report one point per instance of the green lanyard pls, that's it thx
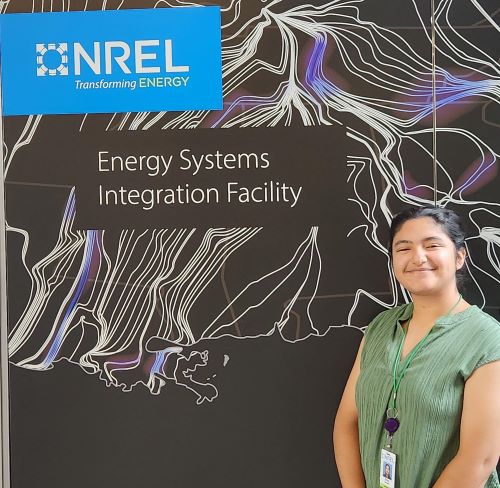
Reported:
(397, 378)
(391, 424)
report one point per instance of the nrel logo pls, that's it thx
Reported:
(61, 65)
(114, 57)
(111, 61)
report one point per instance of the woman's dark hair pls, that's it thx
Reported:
(450, 223)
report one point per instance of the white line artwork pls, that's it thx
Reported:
(124, 305)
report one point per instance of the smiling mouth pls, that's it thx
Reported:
(420, 270)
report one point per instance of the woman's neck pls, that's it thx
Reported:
(427, 308)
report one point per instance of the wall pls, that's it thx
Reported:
(267, 317)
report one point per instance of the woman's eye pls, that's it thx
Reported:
(402, 249)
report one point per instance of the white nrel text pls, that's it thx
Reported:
(119, 54)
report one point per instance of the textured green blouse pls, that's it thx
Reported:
(430, 395)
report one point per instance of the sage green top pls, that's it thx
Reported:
(430, 395)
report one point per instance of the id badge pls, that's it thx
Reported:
(387, 469)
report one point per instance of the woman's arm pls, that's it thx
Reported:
(345, 433)
(479, 448)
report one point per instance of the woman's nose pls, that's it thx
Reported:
(419, 256)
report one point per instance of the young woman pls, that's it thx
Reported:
(424, 392)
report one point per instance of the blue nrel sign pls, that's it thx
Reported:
(111, 61)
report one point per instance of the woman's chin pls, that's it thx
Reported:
(423, 290)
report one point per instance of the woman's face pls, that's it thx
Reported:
(424, 258)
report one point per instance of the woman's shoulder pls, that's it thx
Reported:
(485, 319)
(480, 337)
(381, 329)
(487, 329)
(384, 323)
(478, 323)
(391, 315)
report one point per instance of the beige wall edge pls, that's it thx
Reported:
(4, 385)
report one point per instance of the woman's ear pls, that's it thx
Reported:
(461, 254)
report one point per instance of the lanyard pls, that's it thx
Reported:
(397, 378)
(391, 424)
